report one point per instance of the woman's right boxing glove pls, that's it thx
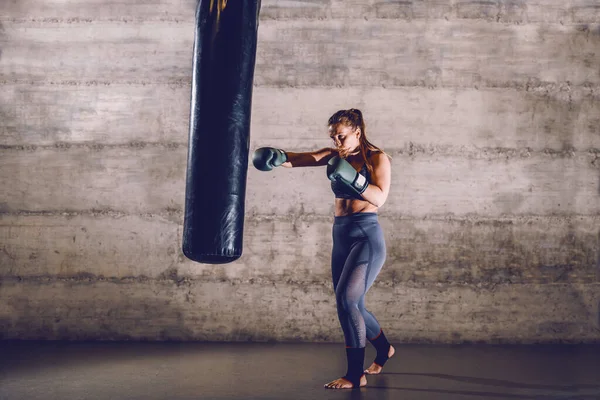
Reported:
(341, 170)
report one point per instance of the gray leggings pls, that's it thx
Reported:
(356, 259)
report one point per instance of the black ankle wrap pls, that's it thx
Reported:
(382, 346)
(356, 358)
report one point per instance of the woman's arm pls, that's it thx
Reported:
(309, 159)
(379, 188)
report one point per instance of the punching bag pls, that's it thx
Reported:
(219, 137)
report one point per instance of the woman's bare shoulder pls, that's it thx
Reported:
(378, 157)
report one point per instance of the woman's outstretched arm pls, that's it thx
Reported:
(309, 159)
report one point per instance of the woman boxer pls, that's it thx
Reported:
(360, 179)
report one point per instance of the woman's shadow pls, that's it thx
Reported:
(383, 381)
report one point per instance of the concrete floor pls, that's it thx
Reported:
(174, 371)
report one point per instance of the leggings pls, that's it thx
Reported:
(357, 257)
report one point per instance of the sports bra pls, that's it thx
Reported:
(342, 191)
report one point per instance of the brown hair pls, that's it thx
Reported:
(354, 119)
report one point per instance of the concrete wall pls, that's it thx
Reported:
(490, 110)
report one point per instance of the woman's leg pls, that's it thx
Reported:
(350, 293)
(378, 340)
(372, 325)
(343, 252)
(354, 269)
(374, 332)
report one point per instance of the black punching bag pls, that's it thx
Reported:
(219, 139)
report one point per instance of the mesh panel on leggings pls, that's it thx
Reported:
(350, 291)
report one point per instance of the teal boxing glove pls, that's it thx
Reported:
(267, 158)
(340, 170)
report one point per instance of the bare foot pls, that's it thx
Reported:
(342, 383)
(375, 369)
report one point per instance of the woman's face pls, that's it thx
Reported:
(345, 139)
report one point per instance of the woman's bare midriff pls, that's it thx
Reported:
(351, 206)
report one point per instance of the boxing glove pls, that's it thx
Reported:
(266, 158)
(342, 171)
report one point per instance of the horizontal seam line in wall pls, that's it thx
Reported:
(165, 278)
(496, 19)
(548, 87)
(415, 150)
(62, 146)
(314, 217)
(186, 281)
(93, 213)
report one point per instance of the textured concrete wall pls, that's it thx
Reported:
(490, 110)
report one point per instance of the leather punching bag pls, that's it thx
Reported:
(219, 137)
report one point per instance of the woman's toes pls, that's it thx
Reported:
(339, 383)
(374, 369)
